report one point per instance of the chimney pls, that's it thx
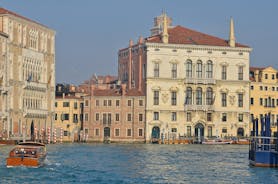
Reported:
(123, 89)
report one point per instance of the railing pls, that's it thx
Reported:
(199, 81)
(264, 144)
(34, 86)
(198, 107)
(35, 112)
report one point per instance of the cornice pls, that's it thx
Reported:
(197, 47)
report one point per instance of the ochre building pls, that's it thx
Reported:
(264, 95)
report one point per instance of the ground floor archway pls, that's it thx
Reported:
(240, 132)
(199, 132)
(155, 134)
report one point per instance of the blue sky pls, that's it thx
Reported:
(90, 32)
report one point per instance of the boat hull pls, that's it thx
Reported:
(264, 159)
(25, 161)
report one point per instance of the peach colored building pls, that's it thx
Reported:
(114, 115)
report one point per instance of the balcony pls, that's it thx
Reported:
(198, 107)
(106, 123)
(35, 113)
(34, 86)
(199, 81)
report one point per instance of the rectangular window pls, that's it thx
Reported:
(56, 116)
(140, 133)
(65, 104)
(252, 101)
(117, 103)
(188, 116)
(188, 131)
(261, 88)
(174, 98)
(156, 70)
(128, 117)
(273, 77)
(261, 101)
(174, 130)
(117, 118)
(97, 116)
(117, 132)
(252, 87)
(209, 131)
(265, 76)
(224, 99)
(109, 102)
(224, 117)
(75, 105)
(156, 97)
(240, 73)
(129, 132)
(224, 130)
(240, 117)
(97, 102)
(97, 132)
(66, 116)
(65, 133)
(155, 116)
(86, 103)
(56, 104)
(86, 117)
(224, 73)
(240, 100)
(104, 102)
(75, 118)
(141, 103)
(140, 117)
(174, 71)
(129, 103)
(209, 116)
(174, 116)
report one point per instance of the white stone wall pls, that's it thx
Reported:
(165, 55)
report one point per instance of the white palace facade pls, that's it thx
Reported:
(196, 85)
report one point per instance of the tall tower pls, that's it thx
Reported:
(232, 39)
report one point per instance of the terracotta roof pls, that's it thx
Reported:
(107, 92)
(182, 35)
(256, 68)
(134, 92)
(68, 97)
(4, 11)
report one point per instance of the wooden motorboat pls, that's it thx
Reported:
(217, 141)
(28, 154)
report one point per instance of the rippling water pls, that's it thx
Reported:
(140, 163)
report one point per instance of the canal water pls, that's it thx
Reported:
(140, 163)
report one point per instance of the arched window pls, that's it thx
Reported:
(188, 68)
(199, 96)
(199, 69)
(188, 96)
(209, 69)
(209, 96)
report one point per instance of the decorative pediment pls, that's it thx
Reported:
(224, 90)
(224, 64)
(174, 61)
(156, 88)
(174, 88)
(241, 64)
(240, 90)
(156, 61)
